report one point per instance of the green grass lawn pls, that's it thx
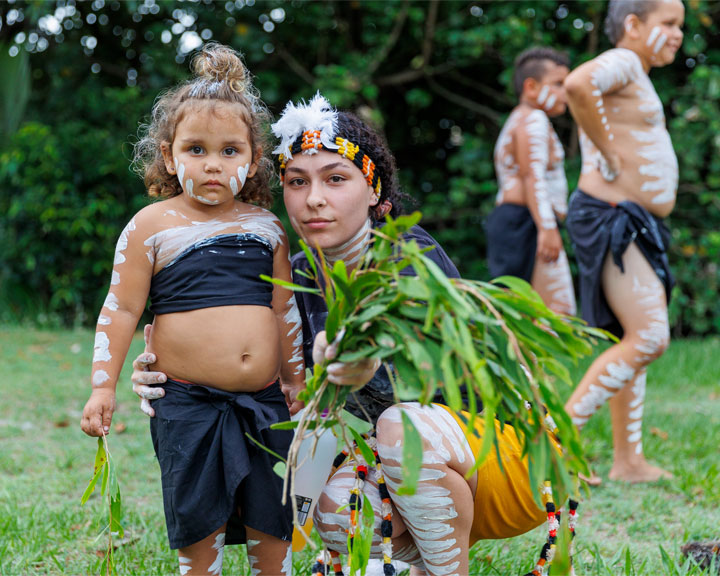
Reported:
(46, 462)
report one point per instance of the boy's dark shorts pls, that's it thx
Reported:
(511, 241)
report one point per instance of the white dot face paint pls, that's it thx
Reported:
(104, 320)
(102, 345)
(100, 377)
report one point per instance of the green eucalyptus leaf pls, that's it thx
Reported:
(411, 456)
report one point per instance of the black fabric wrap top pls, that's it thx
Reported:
(218, 271)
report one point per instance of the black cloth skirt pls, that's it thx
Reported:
(596, 228)
(511, 241)
(212, 473)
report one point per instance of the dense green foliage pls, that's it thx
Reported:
(433, 75)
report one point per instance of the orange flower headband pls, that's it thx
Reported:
(307, 128)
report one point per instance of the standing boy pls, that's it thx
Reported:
(522, 231)
(627, 185)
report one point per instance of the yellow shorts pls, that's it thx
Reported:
(504, 504)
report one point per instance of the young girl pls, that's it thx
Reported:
(229, 342)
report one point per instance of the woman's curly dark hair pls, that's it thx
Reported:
(220, 77)
(373, 144)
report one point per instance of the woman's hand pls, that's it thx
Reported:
(291, 392)
(355, 374)
(142, 378)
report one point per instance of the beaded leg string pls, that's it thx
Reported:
(355, 505)
(553, 520)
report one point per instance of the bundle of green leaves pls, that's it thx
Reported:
(493, 349)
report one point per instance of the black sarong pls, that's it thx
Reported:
(595, 227)
(209, 466)
(511, 241)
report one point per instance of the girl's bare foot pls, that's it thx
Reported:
(637, 473)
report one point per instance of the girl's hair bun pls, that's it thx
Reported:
(218, 63)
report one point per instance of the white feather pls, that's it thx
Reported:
(318, 114)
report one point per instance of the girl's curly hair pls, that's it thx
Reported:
(220, 76)
(371, 143)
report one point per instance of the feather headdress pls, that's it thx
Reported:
(317, 117)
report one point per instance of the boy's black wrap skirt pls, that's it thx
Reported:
(596, 228)
(210, 468)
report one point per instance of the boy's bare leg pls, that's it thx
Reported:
(637, 298)
(268, 555)
(440, 513)
(626, 408)
(553, 282)
(204, 557)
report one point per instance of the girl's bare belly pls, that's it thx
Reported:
(233, 348)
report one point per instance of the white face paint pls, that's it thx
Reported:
(544, 91)
(552, 99)
(216, 567)
(102, 344)
(188, 185)
(242, 173)
(100, 377)
(104, 320)
(654, 33)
